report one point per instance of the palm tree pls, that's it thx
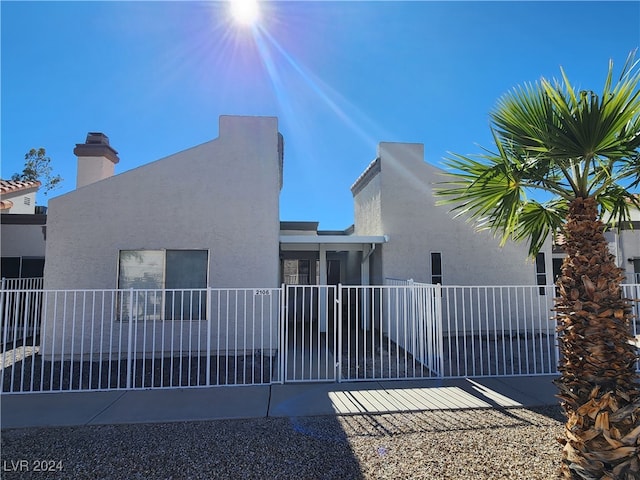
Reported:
(581, 151)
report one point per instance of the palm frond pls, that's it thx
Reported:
(537, 221)
(550, 136)
(615, 204)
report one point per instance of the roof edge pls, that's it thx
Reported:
(365, 177)
(13, 186)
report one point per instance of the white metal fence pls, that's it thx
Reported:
(498, 331)
(23, 308)
(136, 339)
(310, 333)
(390, 332)
(127, 339)
(22, 283)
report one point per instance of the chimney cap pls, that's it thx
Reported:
(97, 138)
(96, 145)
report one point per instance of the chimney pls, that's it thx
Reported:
(96, 159)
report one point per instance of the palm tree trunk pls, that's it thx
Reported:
(598, 383)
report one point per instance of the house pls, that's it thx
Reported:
(394, 197)
(153, 240)
(145, 229)
(204, 217)
(23, 230)
(221, 223)
(172, 273)
(161, 234)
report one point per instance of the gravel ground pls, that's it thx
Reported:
(471, 444)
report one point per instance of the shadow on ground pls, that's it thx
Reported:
(252, 449)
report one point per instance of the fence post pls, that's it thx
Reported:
(3, 332)
(208, 336)
(283, 332)
(416, 339)
(129, 343)
(338, 330)
(439, 331)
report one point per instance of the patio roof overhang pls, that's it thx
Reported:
(337, 243)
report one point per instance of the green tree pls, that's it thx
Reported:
(37, 167)
(580, 150)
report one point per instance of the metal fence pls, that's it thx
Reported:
(138, 339)
(498, 330)
(390, 332)
(311, 333)
(128, 339)
(22, 283)
(20, 310)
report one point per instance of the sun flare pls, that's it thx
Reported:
(245, 12)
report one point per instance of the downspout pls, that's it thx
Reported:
(366, 257)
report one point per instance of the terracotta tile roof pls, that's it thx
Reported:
(5, 204)
(12, 186)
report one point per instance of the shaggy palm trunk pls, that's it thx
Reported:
(598, 382)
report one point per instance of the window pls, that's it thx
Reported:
(22, 267)
(436, 268)
(178, 274)
(636, 269)
(296, 271)
(32, 267)
(557, 268)
(10, 267)
(541, 273)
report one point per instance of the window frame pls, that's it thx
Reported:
(305, 277)
(164, 269)
(167, 299)
(540, 267)
(436, 276)
(21, 261)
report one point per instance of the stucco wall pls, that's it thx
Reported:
(23, 202)
(416, 227)
(222, 196)
(368, 209)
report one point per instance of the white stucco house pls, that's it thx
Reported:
(223, 222)
(394, 197)
(208, 217)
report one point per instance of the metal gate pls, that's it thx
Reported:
(348, 333)
(310, 333)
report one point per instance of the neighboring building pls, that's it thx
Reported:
(626, 247)
(23, 230)
(624, 244)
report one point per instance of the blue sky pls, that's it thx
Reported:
(340, 76)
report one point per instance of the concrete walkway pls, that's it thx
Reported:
(289, 400)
